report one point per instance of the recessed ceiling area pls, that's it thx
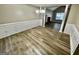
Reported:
(48, 6)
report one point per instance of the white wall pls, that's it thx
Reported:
(74, 16)
(12, 28)
(74, 36)
(72, 27)
(49, 14)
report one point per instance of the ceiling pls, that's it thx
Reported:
(48, 6)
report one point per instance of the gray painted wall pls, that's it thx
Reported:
(73, 17)
(59, 9)
(16, 12)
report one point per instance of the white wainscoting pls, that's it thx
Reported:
(74, 36)
(12, 28)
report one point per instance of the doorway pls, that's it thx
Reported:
(55, 20)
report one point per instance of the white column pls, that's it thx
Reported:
(43, 20)
(66, 9)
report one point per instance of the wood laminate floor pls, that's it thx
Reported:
(55, 26)
(77, 51)
(36, 41)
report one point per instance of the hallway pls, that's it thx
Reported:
(54, 26)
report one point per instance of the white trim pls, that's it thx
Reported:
(12, 28)
(74, 36)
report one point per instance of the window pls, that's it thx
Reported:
(59, 16)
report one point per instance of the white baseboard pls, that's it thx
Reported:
(12, 28)
(74, 36)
